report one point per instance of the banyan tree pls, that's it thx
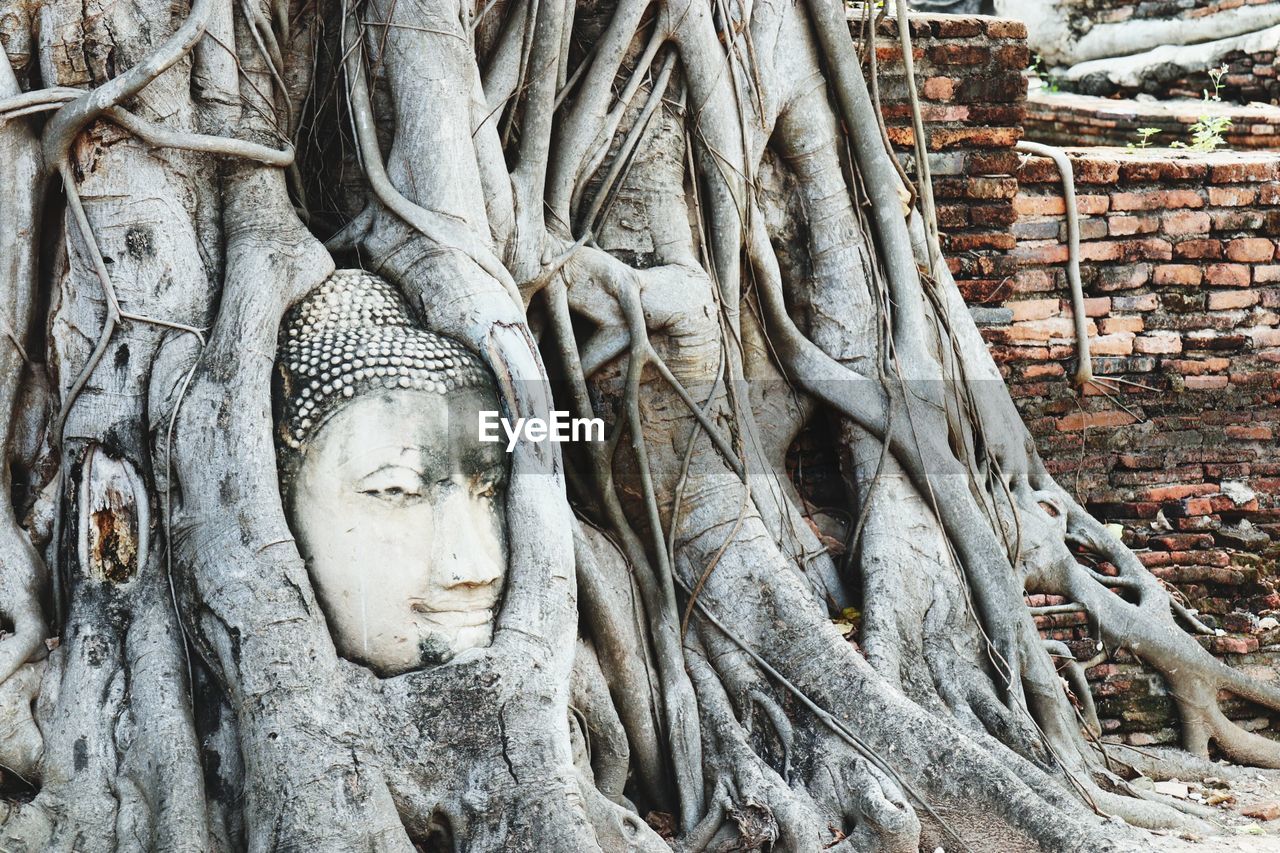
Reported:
(266, 265)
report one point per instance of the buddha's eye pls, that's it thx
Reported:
(394, 485)
(392, 493)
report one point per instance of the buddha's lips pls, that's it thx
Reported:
(461, 617)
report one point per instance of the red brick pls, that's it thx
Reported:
(1111, 325)
(1228, 299)
(1197, 367)
(1186, 222)
(1161, 171)
(1180, 274)
(938, 89)
(1034, 281)
(1125, 226)
(1227, 275)
(973, 242)
(984, 137)
(1039, 205)
(1041, 253)
(1094, 306)
(1251, 250)
(1250, 433)
(1087, 420)
(1205, 383)
(1181, 541)
(1120, 343)
(1188, 507)
(1039, 331)
(1178, 492)
(1006, 28)
(1092, 205)
(955, 26)
(947, 55)
(1228, 645)
(1039, 371)
(1245, 172)
(1159, 343)
(1198, 249)
(1232, 196)
(1095, 171)
(1156, 200)
(1265, 337)
(1034, 309)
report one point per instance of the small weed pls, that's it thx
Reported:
(1144, 138)
(1050, 81)
(1208, 133)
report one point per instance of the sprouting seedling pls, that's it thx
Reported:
(1215, 77)
(1208, 133)
(1144, 138)
(1037, 68)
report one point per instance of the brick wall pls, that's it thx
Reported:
(1182, 281)
(1063, 118)
(1182, 276)
(973, 98)
(1249, 77)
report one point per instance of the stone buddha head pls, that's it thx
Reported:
(397, 506)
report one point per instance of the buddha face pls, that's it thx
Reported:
(398, 510)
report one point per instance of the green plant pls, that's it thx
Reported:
(1037, 68)
(1144, 138)
(1207, 134)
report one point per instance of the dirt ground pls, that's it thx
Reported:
(1231, 797)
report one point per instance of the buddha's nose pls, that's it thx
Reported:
(468, 547)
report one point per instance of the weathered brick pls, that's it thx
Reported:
(1092, 420)
(1034, 281)
(1111, 325)
(1198, 249)
(1041, 253)
(1158, 343)
(1250, 433)
(1198, 367)
(1178, 492)
(1227, 275)
(1156, 200)
(1124, 277)
(1186, 222)
(1264, 336)
(1119, 343)
(1092, 205)
(1251, 250)
(1179, 274)
(938, 89)
(1039, 205)
(1006, 28)
(1205, 383)
(1034, 309)
(1125, 226)
(1039, 330)
(1145, 302)
(1242, 172)
(1232, 196)
(1232, 299)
